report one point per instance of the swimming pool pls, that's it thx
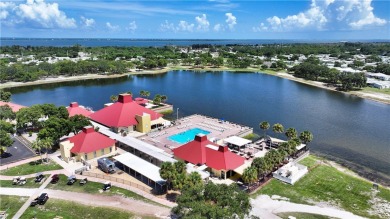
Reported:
(187, 136)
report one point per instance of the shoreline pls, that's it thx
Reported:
(377, 97)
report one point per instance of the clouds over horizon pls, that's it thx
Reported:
(326, 15)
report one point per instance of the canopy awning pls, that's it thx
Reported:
(158, 121)
(234, 140)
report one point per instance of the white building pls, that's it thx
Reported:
(290, 173)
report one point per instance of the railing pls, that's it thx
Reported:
(118, 180)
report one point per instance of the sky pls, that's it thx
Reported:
(197, 19)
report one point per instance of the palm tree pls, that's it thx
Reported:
(291, 133)
(36, 145)
(147, 94)
(306, 137)
(164, 98)
(194, 179)
(142, 93)
(278, 128)
(265, 126)
(167, 172)
(180, 167)
(249, 175)
(114, 98)
(46, 143)
(260, 164)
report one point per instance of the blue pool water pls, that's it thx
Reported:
(187, 136)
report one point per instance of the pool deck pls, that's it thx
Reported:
(218, 130)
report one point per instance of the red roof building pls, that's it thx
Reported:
(15, 107)
(75, 109)
(141, 101)
(123, 113)
(202, 151)
(88, 140)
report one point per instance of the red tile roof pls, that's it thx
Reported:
(223, 159)
(194, 151)
(203, 151)
(141, 100)
(122, 113)
(75, 109)
(88, 140)
(15, 107)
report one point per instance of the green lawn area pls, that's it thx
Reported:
(96, 188)
(29, 168)
(325, 183)
(310, 161)
(11, 203)
(300, 215)
(67, 209)
(377, 90)
(29, 183)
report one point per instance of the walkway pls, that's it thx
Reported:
(265, 207)
(127, 204)
(32, 197)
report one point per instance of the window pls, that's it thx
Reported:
(85, 156)
(110, 149)
(94, 154)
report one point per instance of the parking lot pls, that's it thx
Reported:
(18, 151)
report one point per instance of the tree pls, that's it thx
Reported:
(54, 128)
(306, 137)
(193, 179)
(261, 166)
(265, 126)
(6, 113)
(114, 98)
(28, 116)
(78, 122)
(212, 201)
(5, 141)
(6, 126)
(291, 133)
(164, 98)
(5, 96)
(36, 145)
(278, 128)
(157, 99)
(168, 172)
(250, 175)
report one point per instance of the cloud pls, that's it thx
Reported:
(185, 26)
(219, 28)
(112, 27)
(87, 22)
(231, 20)
(132, 26)
(46, 15)
(35, 13)
(203, 23)
(326, 15)
(167, 27)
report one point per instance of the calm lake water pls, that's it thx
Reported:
(345, 127)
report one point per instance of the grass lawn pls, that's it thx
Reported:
(29, 168)
(327, 184)
(300, 215)
(29, 184)
(310, 161)
(96, 188)
(67, 209)
(377, 90)
(11, 203)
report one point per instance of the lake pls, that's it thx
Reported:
(345, 127)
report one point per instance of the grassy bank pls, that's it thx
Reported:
(66, 209)
(299, 215)
(30, 168)
(96, 188)
(327, 184)
(11, 204)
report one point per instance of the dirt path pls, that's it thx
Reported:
(127, 204)
(265, 207)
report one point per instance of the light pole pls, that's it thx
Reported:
(177, 114)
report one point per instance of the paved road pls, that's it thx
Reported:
(18, 151)
(265, 207)
(127, 204)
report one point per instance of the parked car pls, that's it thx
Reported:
(15, 181)
(22, 181)
(71, 180)
(40, 199)
(39, 177)
(55, 178)
(106, 186)
(83, 181)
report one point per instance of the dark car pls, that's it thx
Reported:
(43, 198)
(55, 178)
(106, 186)
(39, 177)
(71, 180)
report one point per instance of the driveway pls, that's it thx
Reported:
(18, 151)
